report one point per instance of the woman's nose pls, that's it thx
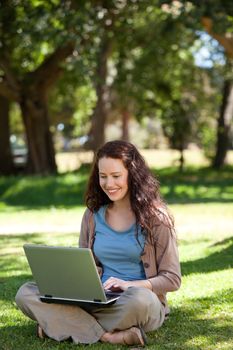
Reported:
(109, 182)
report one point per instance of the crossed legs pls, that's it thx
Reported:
(135, 307)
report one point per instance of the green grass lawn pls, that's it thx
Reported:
(202, 203)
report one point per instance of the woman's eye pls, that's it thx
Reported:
(116, 176)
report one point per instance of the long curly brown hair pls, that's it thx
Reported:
(144, 189)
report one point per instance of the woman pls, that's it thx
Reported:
(132, 237)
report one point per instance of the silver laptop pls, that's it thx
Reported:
(67, 275)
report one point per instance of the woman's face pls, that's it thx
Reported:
(113, 178)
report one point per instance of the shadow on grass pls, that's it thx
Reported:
(19, 240)
(25, 338)
(62, 191)
(197, 321)
(216, 261)
(13, 262)
(194, 185)
(10, 285)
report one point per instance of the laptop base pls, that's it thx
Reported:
(80, 303)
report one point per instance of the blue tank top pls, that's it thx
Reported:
(118, 252)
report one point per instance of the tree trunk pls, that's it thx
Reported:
(6, 161)
(225, 40)
(41, 154)
(125, 125)
(224, 125)
(31, 94)
(97, 135)
(181, 160)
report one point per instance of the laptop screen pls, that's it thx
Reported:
(65, 272)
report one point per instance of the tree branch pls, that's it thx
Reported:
(225, 41)
(8, 92)
(47, 73)
(8, 73)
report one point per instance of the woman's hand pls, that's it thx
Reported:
(116, 284)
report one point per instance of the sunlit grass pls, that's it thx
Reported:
(42, 220)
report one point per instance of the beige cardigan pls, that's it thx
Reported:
(160, 258)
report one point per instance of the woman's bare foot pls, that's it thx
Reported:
(40, 332)
(131, 336)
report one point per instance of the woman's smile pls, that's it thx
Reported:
(112, 191)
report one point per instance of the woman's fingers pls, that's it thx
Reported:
(113, 283)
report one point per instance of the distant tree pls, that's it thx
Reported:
(224, 124)
(225, 119)
(115, 18)
(156, 74)
(215, 17)
(97, 131)
(6, 161)
(178, 127)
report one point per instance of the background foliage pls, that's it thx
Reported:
(91, 64)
